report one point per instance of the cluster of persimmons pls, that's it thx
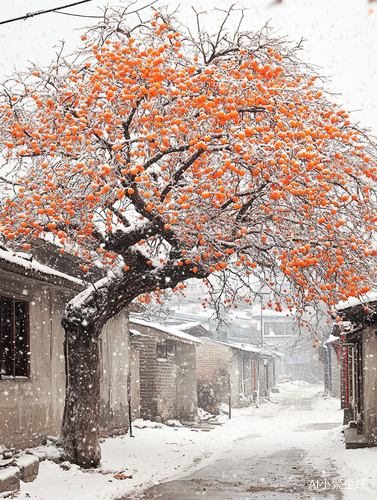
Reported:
(231, 152)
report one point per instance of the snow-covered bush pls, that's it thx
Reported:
(212, 391)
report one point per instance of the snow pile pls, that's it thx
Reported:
(173, 423)
(224, 408)
(300, 382)
(49, 452)
(291, 385)
(146, 424)
(204, 415)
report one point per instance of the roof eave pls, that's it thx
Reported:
(60, 281)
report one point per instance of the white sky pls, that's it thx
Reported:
(341, 38)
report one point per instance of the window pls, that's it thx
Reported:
(14, 338)
(278, 328)
(165, 349)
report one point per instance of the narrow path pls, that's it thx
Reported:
(274, 460)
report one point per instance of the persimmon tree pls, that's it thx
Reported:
(166, 155)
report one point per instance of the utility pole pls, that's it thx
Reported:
(129, 392)
(261, 322)
(230, 396)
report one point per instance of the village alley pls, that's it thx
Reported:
(282, 452)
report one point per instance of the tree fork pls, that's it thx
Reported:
(81, 419)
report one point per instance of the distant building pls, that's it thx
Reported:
(330, 355)
(252, 323)
(243, 370)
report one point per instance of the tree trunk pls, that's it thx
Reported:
(80, 428)
(83, 321)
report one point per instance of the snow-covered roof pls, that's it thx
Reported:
(189, 324)
(353, 301)
(260, 350)
(166, 329)
(242, 315)
(135, 333)
(331, 338)
(253, 312)
(276, 336)
(278, 354)
(251, 348)
(21, 263)
(185, 310)
(245, 347)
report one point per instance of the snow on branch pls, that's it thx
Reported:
(194, 154)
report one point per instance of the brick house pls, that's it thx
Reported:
(251, 370)
(167, 362)
(32, 370)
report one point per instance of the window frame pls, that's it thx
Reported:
(26, 356)
(165, 349)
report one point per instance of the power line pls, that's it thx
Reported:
(78, 15)
(39, 12)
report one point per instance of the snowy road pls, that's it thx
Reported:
(289, 448)
(277, 458)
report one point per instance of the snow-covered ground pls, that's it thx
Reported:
(297, 417)
(356, 468)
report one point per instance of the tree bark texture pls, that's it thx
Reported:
(80, 429)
